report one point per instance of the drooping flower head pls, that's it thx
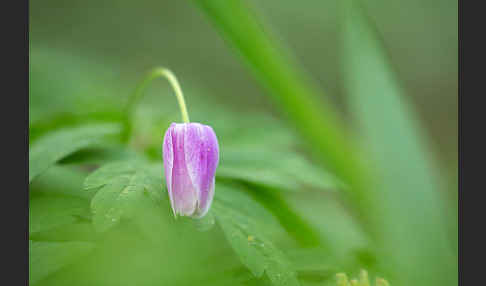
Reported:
(191, 156)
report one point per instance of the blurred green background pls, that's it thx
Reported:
(130, 37)
(313, 206)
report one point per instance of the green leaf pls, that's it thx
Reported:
(60, 180)
(313, 264)
(410, 199)
(58, 144)
(102, 154)
(47, 213)
(284, 170)
(76, 231)
(244, 223)
(45, 258)
(121, 187)
(274, 202)
(63, 121)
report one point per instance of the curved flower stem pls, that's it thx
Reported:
(139, 91)
(155, 73)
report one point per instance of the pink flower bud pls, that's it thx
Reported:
(191, 155)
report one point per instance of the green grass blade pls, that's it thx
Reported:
(293, 92)
(416, 244)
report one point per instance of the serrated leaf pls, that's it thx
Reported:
(47, 213)
(409, 194)
(243, 222)
(58, 144)
(120, 188)
(45, 258)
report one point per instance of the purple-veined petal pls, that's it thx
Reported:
(191, 156)
(202, 157)
(204, 208)
(168, 158)
(183, 192)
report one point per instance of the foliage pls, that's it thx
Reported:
(245, 230)
(342, 280)
(119, 187)
(59, 144)
(48, 257)
(296, 200)
(400, 155)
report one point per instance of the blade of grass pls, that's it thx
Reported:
(416, 245)
(297, 97)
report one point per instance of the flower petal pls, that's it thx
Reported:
(204, 208)
(168, 158)
(183, 191)
(202, 157)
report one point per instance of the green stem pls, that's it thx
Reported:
(139, 92)
(156, 73)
